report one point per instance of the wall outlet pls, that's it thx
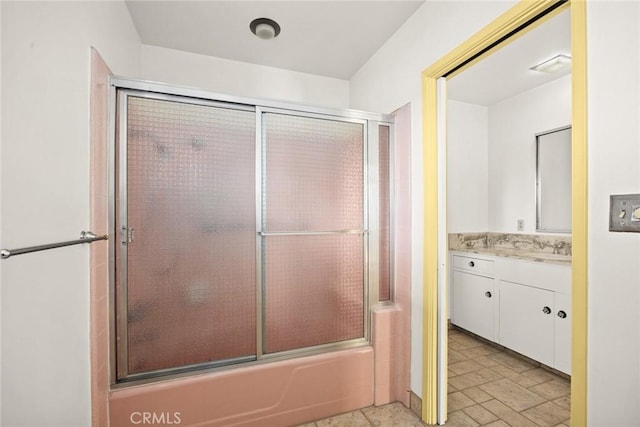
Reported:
(521, 225)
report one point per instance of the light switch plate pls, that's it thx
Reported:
(624, 213)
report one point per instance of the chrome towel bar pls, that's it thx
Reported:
(85, 237)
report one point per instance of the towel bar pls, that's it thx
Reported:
(85, 237)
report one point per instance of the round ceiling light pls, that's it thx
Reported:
(265, 28)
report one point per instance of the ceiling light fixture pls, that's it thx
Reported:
(265, 28)
(554, 65)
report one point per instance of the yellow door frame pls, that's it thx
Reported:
(516, 21)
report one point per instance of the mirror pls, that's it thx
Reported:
(553, 181)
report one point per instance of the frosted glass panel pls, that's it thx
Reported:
(191, 266)
(384, 275)
(313, 174)
(313, 182)
(314, 291)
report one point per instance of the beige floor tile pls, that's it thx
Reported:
(489, 374)
(459, 400)
(465, 367)
(504, 371)
(351, 419)
(563, 402)
(473, 379)
(467, 340)
(458, 346)
(507, 414)
(460, 419)
(491, 387)
(477, 395)
(391, 415)
(455, 356)
(552, 389)
(540, 375)
(450, 388)
(513, 362)
(479, 351)
(546, 415)
(480, 414)
(308, 425)
(486, 361)
(523, 381)
(511, 394)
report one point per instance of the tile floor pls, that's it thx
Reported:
(487, 387)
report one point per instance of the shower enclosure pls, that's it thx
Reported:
(248, 230)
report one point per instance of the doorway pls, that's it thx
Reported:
(521, 17)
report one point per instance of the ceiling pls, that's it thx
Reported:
(506, 72)
(328, 38)
(335, 38)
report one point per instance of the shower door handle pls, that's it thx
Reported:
(129, 235)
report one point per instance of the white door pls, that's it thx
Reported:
(562, 333)
(526, 321)
(473, 303)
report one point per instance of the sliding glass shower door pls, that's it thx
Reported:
(314, 231)
(244, 232)
(188, 207)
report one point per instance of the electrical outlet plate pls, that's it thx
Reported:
(521, 225)
(624, 213)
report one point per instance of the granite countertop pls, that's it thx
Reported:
(539, 248)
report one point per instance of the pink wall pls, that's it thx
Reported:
(402, 253)
(392, 322)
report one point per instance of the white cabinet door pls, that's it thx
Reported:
(473, 303)
(562, 333)
(526, 321)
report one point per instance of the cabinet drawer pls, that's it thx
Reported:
(552, 277)
(473, 265)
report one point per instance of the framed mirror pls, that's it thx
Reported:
(553, 180)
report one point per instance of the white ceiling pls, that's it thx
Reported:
(328, 38)
(506, 72)
(335, 38)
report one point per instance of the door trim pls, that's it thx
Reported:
(522, 17)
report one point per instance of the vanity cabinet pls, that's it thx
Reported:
(520, 304)
(473, 296)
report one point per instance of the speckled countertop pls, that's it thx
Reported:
(532, 247)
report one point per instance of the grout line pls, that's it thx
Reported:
(366, 418)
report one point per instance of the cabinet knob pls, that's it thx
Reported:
(488, 295)
(472, 264)
(546, 310)
(562, 314)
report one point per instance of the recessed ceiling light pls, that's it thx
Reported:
(265, 28)
(554, 65)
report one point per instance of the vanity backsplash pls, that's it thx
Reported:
(508, 242)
